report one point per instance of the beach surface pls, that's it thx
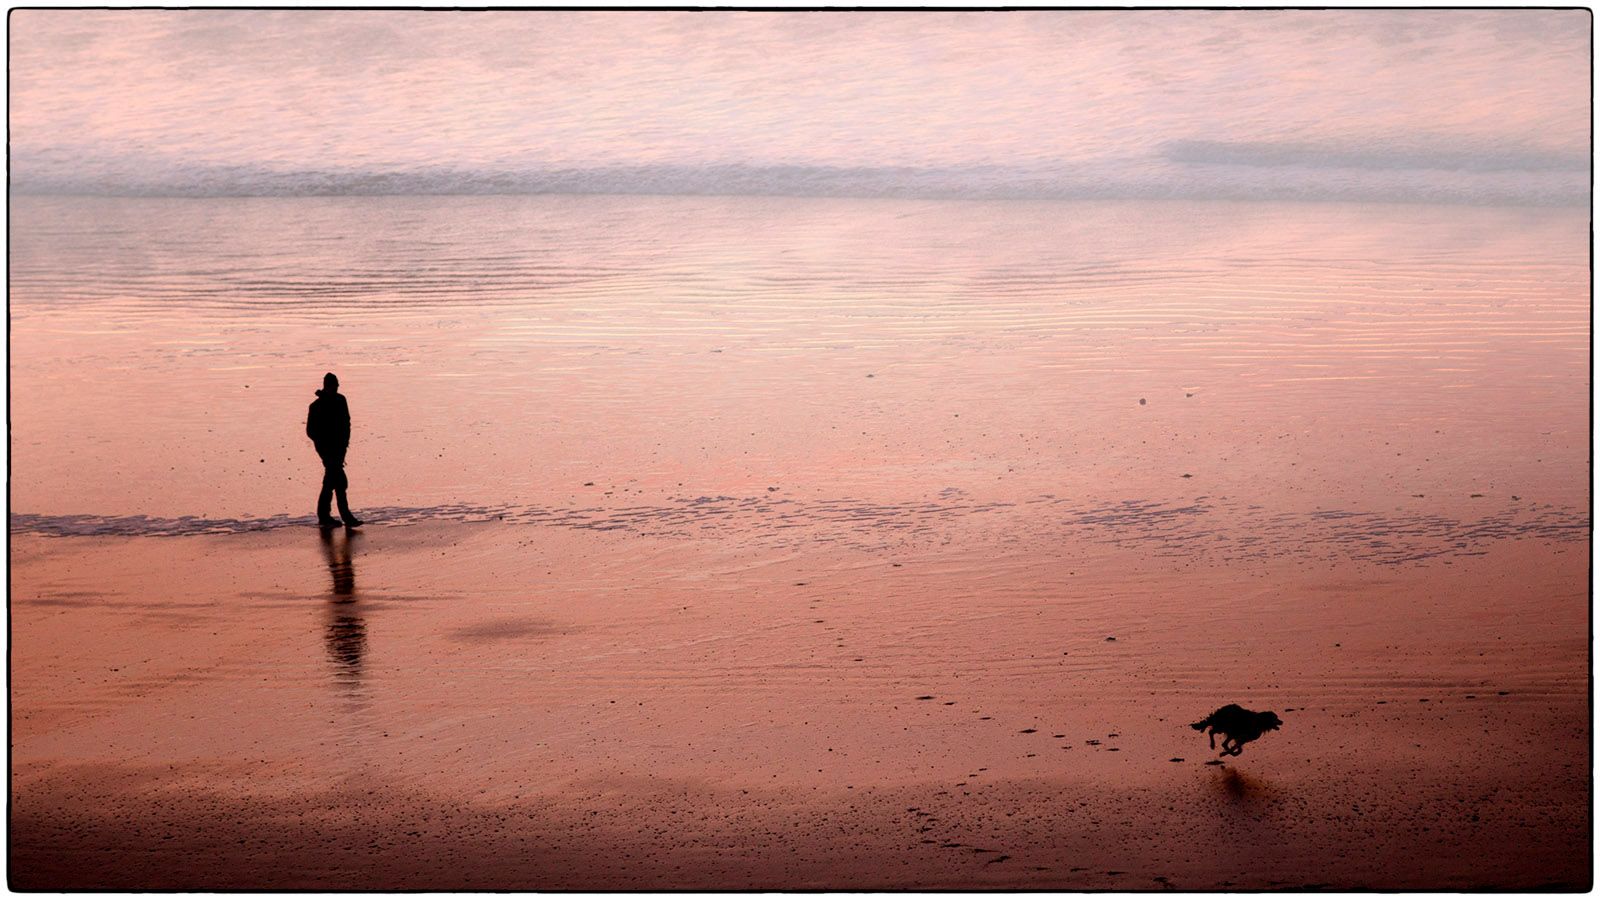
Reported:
(817, 544)
(484, 705)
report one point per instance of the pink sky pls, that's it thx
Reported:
(122, 94)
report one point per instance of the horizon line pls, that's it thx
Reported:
(957, 197)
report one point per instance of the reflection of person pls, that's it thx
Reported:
(340, 567)
(346, 635)
(328, 426)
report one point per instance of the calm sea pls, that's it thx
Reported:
(581, 357)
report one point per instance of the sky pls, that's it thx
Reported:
(1431, 105)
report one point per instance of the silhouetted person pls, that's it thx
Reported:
(328, 426)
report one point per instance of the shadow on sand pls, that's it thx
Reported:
(1240, 788)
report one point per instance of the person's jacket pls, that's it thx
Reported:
(328, 423)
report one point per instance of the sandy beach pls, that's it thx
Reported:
(795, 450)
(830, 543)
(491, 705)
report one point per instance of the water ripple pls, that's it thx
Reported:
(1209, 527)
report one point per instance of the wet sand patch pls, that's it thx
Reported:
(507, 630)
(712, 710)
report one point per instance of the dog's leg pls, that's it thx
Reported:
(1212, 734)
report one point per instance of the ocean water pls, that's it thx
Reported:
(551, 356)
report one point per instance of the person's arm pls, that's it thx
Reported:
(311, 417)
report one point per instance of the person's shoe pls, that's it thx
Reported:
(328, 523)
(351, 522)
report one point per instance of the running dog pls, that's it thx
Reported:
(1238, 726)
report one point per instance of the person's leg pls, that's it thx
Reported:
(344, 507)
(329, 482)
(340, 486)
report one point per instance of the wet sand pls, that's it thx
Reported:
(496, 705)
(799, 543)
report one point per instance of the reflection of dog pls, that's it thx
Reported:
(1238, 726)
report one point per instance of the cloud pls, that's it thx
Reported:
(1435, 105)
(1084, 182)
(1273, 154)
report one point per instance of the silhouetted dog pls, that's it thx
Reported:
(1238, 726)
